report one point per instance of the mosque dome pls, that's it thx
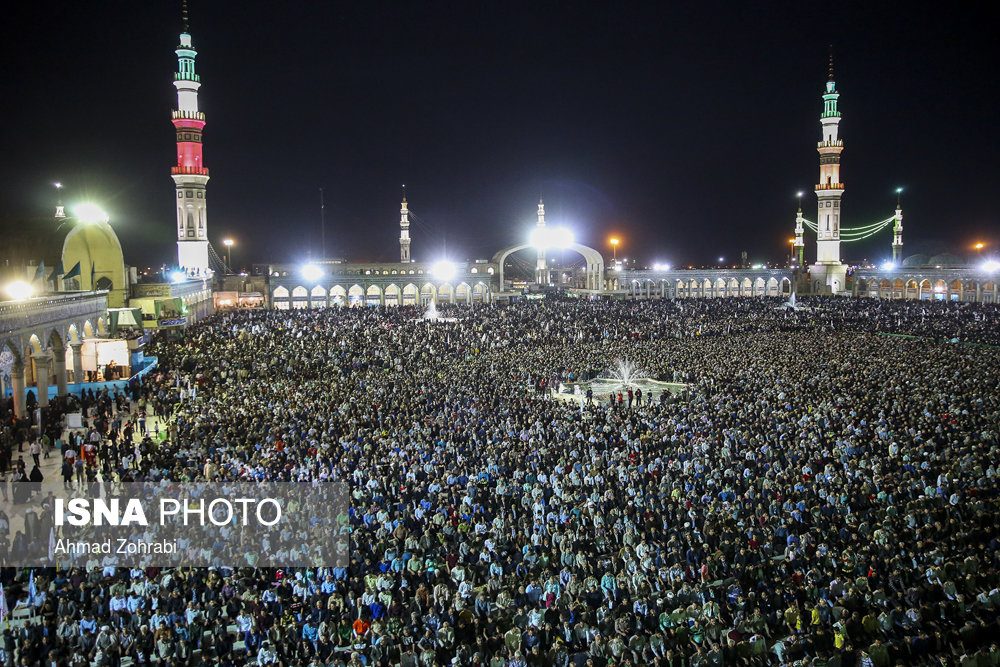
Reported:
(916, 260)
(946, 260)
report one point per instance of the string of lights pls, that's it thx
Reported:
(850, 234)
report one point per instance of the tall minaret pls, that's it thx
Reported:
(799, 243)
(404, 231)
(190, 175)
(541, 270)
(829, 190)
(897, 230)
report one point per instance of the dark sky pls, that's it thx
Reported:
(685, 128)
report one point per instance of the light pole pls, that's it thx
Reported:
(614, 249)
(791, 251)
(229, 253)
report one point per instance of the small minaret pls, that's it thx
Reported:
(897, 230)
(404, 231)
(190, 175)
(799, 231)
(541, 270)
(60, 209)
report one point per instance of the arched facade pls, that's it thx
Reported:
(594, 266)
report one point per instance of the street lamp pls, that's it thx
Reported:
(791, 251)
(229, 252)
(614, 248)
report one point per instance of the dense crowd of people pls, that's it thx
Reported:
(821, 492)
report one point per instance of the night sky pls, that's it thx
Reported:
(684, 128)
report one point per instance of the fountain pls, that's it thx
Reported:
(625, 375)
(433, 315)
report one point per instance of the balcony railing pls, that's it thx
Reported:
(16, 315)
(186, 77)
(197, 171)
(189, 115)
(829, 186)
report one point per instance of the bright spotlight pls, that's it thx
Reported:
(990, 266)
(722, 259)
(89, 214)
(177, 276)
(19, 290)
(443, 270)
(312, 272)
(551, 237)
(227, 242)
(661, 267)
(888, 266)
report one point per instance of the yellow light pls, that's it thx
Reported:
(227, 242)
(613, 241)
(19, 290)
(980, 246)
(791, 240)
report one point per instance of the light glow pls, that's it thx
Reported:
(90, 214)
(979, 246)
(312, 272)
(888, 266)
(443, 270)
(19, 290)
(227, 242)
(551, 237)
(991, 266)
(177, 276)
(661, 267)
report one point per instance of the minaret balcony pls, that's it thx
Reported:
(839, 143)
(829, 186)
(195, 171)
(187, 115)
(186, 77)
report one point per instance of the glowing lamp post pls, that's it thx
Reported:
(614, 248)
(229, 252)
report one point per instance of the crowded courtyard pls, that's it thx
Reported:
(822, 491)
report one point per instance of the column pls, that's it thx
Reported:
(77, 345)
(59, 368)
(17, 384)
(42, 372)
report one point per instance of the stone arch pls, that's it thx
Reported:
(428, 293)
(480, 292)
(680, 288)
(746, 287)
(760, 287)
(373, 295)
(772, 287)
(446, 292)
(355, 296)
(73, 334)
(338, 295)
(924, 290)
(280, 292)
(940, 290)
(317, 297)
(300, 297)
(463, 293)
(733, 287)
(102, 326)
(720, 287)
(410, 294)
(391, 294)
(786, 286)
(594, 263)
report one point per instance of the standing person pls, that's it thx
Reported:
(35, 450)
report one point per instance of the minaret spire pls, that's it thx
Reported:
(184, 14)
(404, 230)
(190, 175)
(828, 270)
(541, 266)
(897, 230)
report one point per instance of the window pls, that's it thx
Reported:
(190, 194)
(180, 195)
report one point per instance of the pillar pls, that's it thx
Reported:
(17, 385)
(59, 368)
(42, 372)
(77, 360)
